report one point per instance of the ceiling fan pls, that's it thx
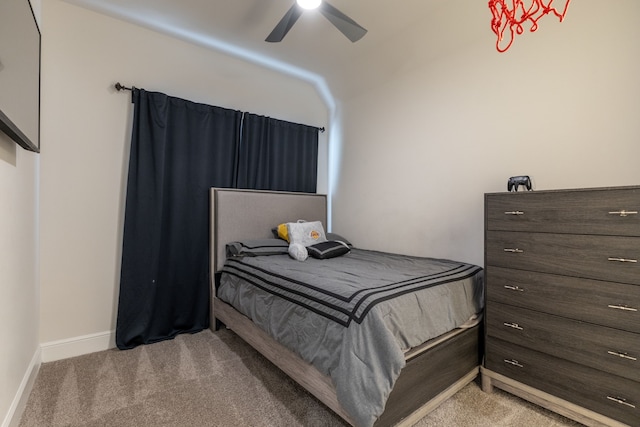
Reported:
(347, 26)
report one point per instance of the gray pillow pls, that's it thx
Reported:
(257, 247)
(339, 238)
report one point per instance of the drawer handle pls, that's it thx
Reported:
(514, 250)
(622, 260)
(623, 355)
(514, 363)
(514, 288)
(514, 326)
(621, 401)
(622, 307)
(623, 213)
(519, 213)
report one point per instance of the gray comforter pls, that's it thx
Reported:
(353, 317)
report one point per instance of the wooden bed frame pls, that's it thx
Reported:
(434, 371)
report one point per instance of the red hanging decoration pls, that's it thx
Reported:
(518, 15)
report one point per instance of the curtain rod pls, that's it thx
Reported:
(120, 87)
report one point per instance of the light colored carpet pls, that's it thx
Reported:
(215, 379)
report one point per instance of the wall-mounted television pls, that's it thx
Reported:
(20, 73)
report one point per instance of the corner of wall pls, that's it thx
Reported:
(24, 391)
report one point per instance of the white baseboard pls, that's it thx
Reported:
(49, 352)
(77, 346)
(22, 395)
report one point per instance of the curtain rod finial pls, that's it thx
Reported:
(120, 87)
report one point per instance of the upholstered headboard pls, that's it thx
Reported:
(251, 214)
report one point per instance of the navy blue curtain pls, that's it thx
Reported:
(277, 155)
(179, 150)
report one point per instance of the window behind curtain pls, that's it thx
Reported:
(179, 149)
(277, 155)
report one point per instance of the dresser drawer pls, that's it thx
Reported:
(607, 394)
(596, 211)
(607, 349)
(611, 304)
(609, 258)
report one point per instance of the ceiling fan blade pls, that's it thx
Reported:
(285, 24)
(347, 26)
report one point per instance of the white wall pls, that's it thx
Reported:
(455, 118)
(86, 133)
(18, 272)
(19, 352)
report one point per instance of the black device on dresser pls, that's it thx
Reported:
(562, 325)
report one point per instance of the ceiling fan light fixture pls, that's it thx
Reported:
(347, 26)
(309, 4)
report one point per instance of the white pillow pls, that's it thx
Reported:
(306, 233)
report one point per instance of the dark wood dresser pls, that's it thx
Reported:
(563, 301)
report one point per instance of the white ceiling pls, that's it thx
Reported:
(313, 47)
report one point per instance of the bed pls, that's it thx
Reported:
(405, 379)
